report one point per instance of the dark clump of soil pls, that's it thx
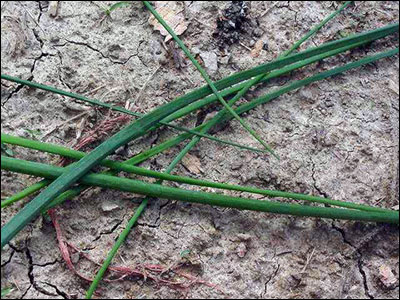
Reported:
(232, 23)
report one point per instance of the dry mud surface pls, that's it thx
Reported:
(336, 138)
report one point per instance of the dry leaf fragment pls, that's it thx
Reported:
(173, 16)
(387, 277)
(257, 48)
(393, 87)
(53, 7)
(192, 163)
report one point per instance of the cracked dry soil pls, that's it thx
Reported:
(336, 138)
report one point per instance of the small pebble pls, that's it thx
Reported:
(210, 61)
(241, 250)
(109, 206)
(236, 165)
(244, 237)
(258, 32)
(75, 258)
(196, 50)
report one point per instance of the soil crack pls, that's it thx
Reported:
(110, 231)
(102, 54)
(343, 234)
(269, 280)
(40, 11)
(27, 290)
(17, 89)
(9, 258)
(59, 292)
(46, 264)
(364, 276)
(34, 283)
(319, 190)
(157, 222)
(359, 260)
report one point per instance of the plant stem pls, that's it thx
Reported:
(206, 77)
(194, 106)
(26, 192)
(228, 81)
(160, 191)
(214, 121)
(139, 128)
(243, 108)
(115, 248)
(273, 95)
(127, 167)
(123, 110)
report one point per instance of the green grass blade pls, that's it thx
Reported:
(115, 248)
(145, 155)
(24, 193)
(237, 77)
(206, 77)
(282, 62)
(320, 76)
(116, 5)
(139, 127)
(6, 291)
(127, 167)
(316, 28)
(160, 191)
(132, 161)
(123, 110)
(273, 95)
(251, 83)
(61, 184)
(69, 194)
(166, 145)
(273, 74)
(210, 137)
(7, 151)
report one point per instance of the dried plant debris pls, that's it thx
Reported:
(192, 163)
(173, 14)
(232, 23)
(387, 278)
(175, 53)
(255, 52)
